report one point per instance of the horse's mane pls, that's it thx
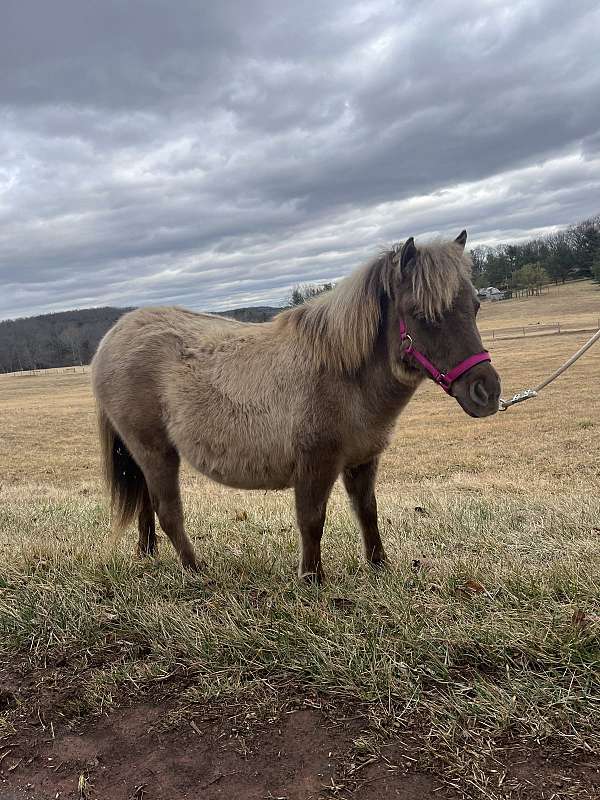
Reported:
(339, 328)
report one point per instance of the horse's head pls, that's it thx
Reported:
(434, 328)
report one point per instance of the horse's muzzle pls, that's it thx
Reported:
(478, 391)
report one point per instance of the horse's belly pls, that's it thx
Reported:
(250, 482)
(256, 470)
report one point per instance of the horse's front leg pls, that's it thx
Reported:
(360, 485)
(312, 493)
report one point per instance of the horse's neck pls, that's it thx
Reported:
(384, 393)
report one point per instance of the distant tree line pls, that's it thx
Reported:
(68, 338)
(561, 256)
(253, 314)
(300, 294)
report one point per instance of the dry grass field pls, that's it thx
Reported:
(470, 669)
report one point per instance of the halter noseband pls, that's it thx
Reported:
(444, 379)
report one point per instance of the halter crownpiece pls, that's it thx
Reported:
(443, 379)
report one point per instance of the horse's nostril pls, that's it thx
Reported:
(479, 393)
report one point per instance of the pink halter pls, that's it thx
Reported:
(445, 380)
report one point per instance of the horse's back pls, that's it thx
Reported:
(165, 323)
(141, 340)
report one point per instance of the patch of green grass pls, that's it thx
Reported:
(585, 424)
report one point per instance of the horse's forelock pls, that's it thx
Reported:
(436, 277)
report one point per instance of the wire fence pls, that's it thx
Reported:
(543, 329)
(24, 373)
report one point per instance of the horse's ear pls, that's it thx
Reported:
(461, 239)
(408, 252)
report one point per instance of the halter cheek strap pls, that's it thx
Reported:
(445, 380)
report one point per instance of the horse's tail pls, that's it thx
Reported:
(124, 479)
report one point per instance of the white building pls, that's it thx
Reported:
(491, 293)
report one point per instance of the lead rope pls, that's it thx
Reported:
(526, 394)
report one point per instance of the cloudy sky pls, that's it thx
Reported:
(214, 154)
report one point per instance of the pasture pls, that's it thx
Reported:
(471, 668)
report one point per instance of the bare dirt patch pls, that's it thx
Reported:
(550, 776)
(288, 749)
(299, 755)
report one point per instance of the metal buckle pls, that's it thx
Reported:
(408, 338)
(526, 394)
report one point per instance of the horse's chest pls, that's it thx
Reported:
(365, 443)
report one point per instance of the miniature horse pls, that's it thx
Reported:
(291, 403)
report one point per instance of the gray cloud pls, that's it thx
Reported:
(214, 154)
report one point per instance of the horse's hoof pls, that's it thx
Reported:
(146, 552)
(193, 565)
(379, 564)
(311, 578)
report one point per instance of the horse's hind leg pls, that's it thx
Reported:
(162, 477)
(159, 462)
(146, 527)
